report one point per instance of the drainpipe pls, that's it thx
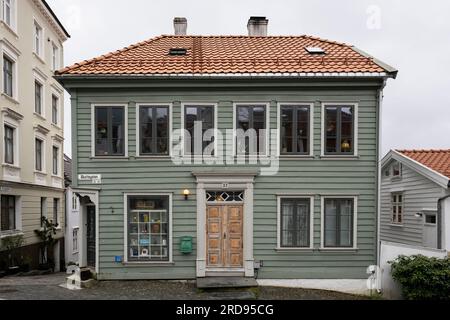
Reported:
(439, 217)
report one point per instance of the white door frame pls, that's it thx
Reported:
(225, 181)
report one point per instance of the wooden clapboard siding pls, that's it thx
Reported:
(304, 176)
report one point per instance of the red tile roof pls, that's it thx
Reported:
(228, 54)
(437, 160)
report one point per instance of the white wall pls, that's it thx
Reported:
(73, 220)
(446, 225)
(391, 251)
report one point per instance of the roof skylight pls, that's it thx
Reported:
(315, 50)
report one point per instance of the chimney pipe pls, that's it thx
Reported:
(257, 26)
(180, 25)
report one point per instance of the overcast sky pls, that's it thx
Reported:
(413, 36)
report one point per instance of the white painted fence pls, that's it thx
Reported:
(391, 251)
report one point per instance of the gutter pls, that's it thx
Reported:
(393, 72)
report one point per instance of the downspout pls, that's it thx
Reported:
(439, 218)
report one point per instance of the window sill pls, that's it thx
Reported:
(337, 157)
(395, 179)
(144, 157)
(38, 57)
(296, 157)
(40, 116)
(9, 28)
(339, 250)
(56, 126)
(293, 250)
(41, 173)
(12, 166)
(56, 176)
(99, 158)
(398, 225)
(10, 99)
(7, 234)
(149, 263)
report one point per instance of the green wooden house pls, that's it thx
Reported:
(244, 156)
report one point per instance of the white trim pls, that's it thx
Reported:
(13, 16)
(58, 95)
(93, 131)
(252, 104)
(352, 286)
(60, 161)
(42, 138)
(13, 54)
(322, 222)
(15, 124)
(55, 66)
(214, 105)
(38, 77)
(41, 53)
(311, 218)
(138, 128)
(355, 133)
(310, 105)
(125, 220)
(427, 172)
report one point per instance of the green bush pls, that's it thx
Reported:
(422, 278)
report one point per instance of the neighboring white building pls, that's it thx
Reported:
(415, 198)
(32, 121)
(72, 237)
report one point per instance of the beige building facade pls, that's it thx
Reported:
(32, 121)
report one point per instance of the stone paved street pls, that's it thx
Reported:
(48, 288)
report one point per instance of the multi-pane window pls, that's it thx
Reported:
(396, 169)
(38, 154)
(37, 39)
(38, 97)
(8, 72)
(339, 223)
(148, 228)
(339, 130)
(74, 202)
(43, 209)
(197, 121)
(252, 121)
(295, 129)
(8, 213)
(9, 144)
(295, 223)
(55, 211)
(75, 240)
(154, 130)
(55, 160)
(55, 54)
(55, 111)
(7, 11)
(397, 208)
(109, 131)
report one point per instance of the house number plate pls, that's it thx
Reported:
(225, 185)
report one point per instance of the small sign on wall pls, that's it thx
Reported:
(92, 178)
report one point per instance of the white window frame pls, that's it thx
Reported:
(18, 217)
(39, 79)
(310, 105)
(58, 213)
(400, 175)
(77, 249)
(38, 51)
(355, 133)
(125, 221)
(58, 107)
(138, 128)
(55, 56)
(311, 231)
(397, 205)
(250, 104)
(13, 15)
(58, 146)
(93, 130)
(7, 121)
(43, 153)
(214, 105)
(355, 222)
(12, 54)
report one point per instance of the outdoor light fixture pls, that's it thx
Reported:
(419, 215)
(186, 194)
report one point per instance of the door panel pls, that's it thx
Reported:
(90, 235)
(225, 236)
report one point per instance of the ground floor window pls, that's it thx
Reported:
(295, 223)
(148, 228)
(8, 213)
(339, 222)
(75, 240)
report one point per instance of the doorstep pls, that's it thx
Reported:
(226, 282)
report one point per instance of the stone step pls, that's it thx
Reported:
(232, 295)
(226, 282)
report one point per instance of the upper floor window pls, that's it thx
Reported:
(339, 130)
(8, 73)
(154, 130)
(198, 122)
(396, 170)
(37, 39)
(55, 57)
(38, 154)
(38, 97)
(251, 129)
(295, 129)
(397, 208)
(8, 213)
(8, 12)
(55, 111)
(339, 222)
(109, 131)
(295, 223)
(55, 160)
(9, 144)
(55, 211)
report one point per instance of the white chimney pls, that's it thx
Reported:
(257, 26)
(180, 25)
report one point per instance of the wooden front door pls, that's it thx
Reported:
(224, 234)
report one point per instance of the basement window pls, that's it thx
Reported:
(177, 52)
(315, 50)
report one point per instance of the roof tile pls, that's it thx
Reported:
(437, 160)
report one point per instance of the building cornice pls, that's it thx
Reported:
(12, 114)
(52, 19)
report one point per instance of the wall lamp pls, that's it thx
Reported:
(419, 215)
(186, 194)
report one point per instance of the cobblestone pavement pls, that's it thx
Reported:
(48, 288)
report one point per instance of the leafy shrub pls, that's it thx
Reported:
(422, 278)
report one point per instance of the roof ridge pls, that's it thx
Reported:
(424, 150)
(109, 54)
